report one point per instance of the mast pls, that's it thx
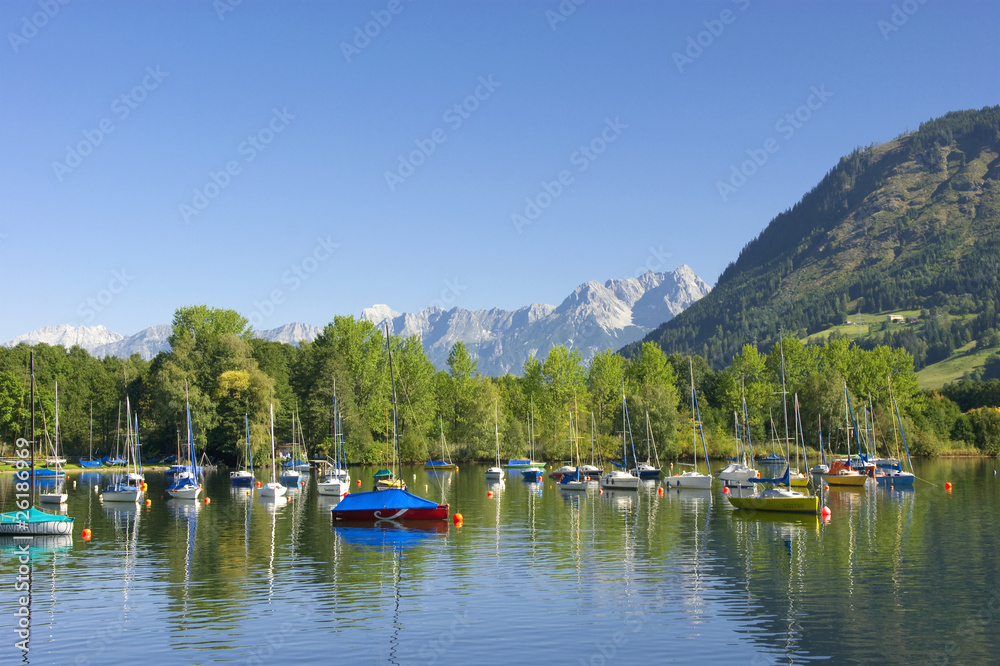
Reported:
(392, 380)
(32, 363)
(246, 418)
(694, 434)
(822, 452)
(784, 401)
(57, 428)
(91, 430)
(273, 462)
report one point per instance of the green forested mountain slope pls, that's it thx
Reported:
(913, 223)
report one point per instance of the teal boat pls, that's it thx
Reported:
(29, 520)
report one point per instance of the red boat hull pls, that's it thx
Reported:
(440, 512)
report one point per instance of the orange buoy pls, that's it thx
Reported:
(248, 493)
(457, 519)
(826, 487)
(826, 512)
(660, 490)
(489, 493)
(359, 483)
(947, 486)
(86, 534)
(725, 490)
(149, 502)
(143, 487)
(257, 485)
(208, 500)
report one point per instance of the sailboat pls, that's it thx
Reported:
(841, 473)
(272, 488)
(740, 471)
(574, 480)
(58, 494)
(797, 478)
(126, 484)
(338, 481)
(592, 471)
(496, 472)
(893, 474)
(445, 464)
(185, 485)
(27, 519)
(647, 470)
(619, 479)
(244, 476)
(693, 479)
(530, 470)
(391, 503)
(291, 475)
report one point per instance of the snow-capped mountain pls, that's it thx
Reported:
(593, 318)
(293, 334)
(88, 337)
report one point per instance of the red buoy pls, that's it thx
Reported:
(359, 483)
(947, 486)
(826, 512)
(660, 490)
(86, 534)
(489, 493)
(208, 500)
(725, 490)
(457, 519)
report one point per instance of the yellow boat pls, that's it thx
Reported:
(778, 499)
(842, 475)
(798, 479)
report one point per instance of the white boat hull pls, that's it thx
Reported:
(53, 498)
(130, 495)
(335, 487)
(738, 474)
(695, 480)
(185, 493)
(494, 473)
(272, 490)
(619, 481)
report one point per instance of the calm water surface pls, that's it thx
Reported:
(535, 574)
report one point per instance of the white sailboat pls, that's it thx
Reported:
(185, 485)
(741, 471)
(58, 494)
(693, 479)
(126, 485)
(574, 480)
(244, 476)
(619, 479)
(272, 488)
(291, 476)
(338, 481)
(496, 472)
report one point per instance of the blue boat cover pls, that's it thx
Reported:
(46, 473)
(392, 498)
(437, 463)
(91, 463)
(34, 516)
(515, 461)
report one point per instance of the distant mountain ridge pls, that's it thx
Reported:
(100, 342)
(594, 317)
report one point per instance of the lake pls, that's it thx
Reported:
(535, 574)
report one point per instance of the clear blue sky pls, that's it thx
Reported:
(102, 238)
